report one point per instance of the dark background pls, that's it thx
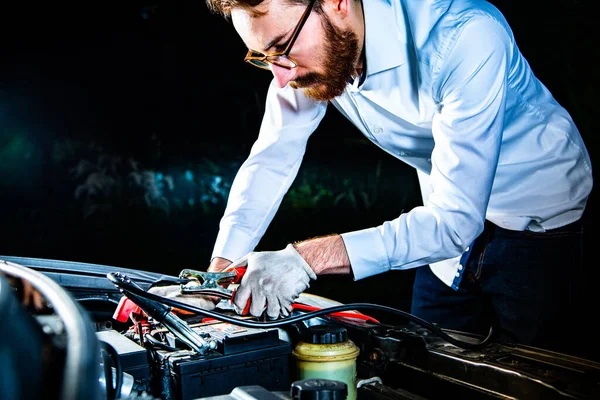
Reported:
(122, 124)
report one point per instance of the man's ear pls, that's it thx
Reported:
(339, 7)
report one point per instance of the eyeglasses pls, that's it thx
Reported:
(282, 59)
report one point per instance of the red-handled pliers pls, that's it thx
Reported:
(213, 283)
(197, 282)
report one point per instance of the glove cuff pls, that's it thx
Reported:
(309, 271)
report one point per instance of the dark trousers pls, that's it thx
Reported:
(525, 284)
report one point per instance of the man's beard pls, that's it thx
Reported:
(342, 53)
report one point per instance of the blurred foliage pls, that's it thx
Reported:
(106, 183)
(319, 189)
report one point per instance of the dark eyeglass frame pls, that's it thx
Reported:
(282, 59)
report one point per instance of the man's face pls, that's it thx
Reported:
(326, 54)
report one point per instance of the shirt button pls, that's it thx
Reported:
(457, 275)
(460, 267)
(377, 131)
(402, 154)
(468, 248)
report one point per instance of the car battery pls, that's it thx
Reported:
(244, 356)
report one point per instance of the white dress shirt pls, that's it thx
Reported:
(448, 92)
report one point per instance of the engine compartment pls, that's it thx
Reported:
(62, 339)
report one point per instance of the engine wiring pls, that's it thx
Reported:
(157, 343)
(306, 316)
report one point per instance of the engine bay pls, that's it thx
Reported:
(84, 331)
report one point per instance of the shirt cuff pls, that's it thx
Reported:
(233, 244)
(366, 253)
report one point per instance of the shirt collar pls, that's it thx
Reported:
(385, 38)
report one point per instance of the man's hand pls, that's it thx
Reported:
(173, 292)
(218, 264)
(274, 279)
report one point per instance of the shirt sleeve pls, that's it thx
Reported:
(268, 172)
(470, 89)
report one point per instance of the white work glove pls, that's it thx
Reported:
(173, 292)
(274, 279)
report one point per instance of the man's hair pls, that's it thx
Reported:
(224, 7)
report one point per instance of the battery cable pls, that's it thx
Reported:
(309, 315)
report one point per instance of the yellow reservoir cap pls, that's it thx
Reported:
(326, 352)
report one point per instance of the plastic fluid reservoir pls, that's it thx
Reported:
(327, 353)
